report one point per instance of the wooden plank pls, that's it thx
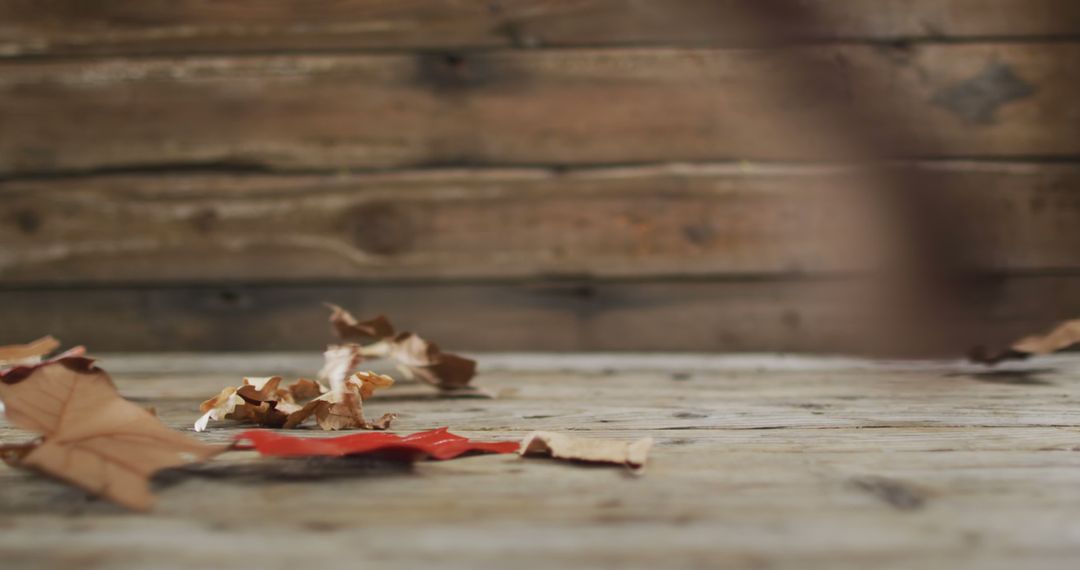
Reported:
(697, 408)
(194, 26)
(891, 467)
(630, 222)
(711, 316)
(546, 107)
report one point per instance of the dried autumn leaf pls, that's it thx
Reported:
(415, 356)
(92, 437)
(427, 362)
(256, 401)
(29, 353)
(218, 408)
(344, 409)
(561, 446)
(369, 381)
(1061, 337)
(437, 444)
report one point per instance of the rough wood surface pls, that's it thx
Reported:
(573, 106)
(193, 26)
(778, 464)
(526, 223)
(720, 316)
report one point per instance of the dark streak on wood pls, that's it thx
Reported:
(978, 99)
(75, 27)
(897, 494)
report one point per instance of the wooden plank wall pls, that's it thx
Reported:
(515, 175)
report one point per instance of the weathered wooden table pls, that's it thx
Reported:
(760, 463)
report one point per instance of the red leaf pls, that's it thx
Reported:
(434, 444)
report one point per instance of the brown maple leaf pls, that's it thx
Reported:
(91, 436)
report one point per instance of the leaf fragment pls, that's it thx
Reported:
(561, 446)
(348, 328)
(1062, 336)
(29, 353)
(91, 436)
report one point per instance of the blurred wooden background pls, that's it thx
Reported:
(506, 174)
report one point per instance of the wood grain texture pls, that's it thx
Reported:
(713, 316)
(526, 223)
(194, 26)
(927, 468)
(548, 107)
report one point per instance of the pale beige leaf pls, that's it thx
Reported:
(1061, 337)
(562, 446)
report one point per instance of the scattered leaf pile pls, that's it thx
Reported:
(1062, 336)
(437, 444)
(93, 438)
(90, 436)
(561, 446)
(264, 402)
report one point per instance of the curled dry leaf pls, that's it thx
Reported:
(368, 382)
(257, 400)
(1061, 337)
(262, 401)
(304, 389)
(415, 356)
(427, 362)
(344, 408)
(561, 446)
(437, 444)
(91, 437)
